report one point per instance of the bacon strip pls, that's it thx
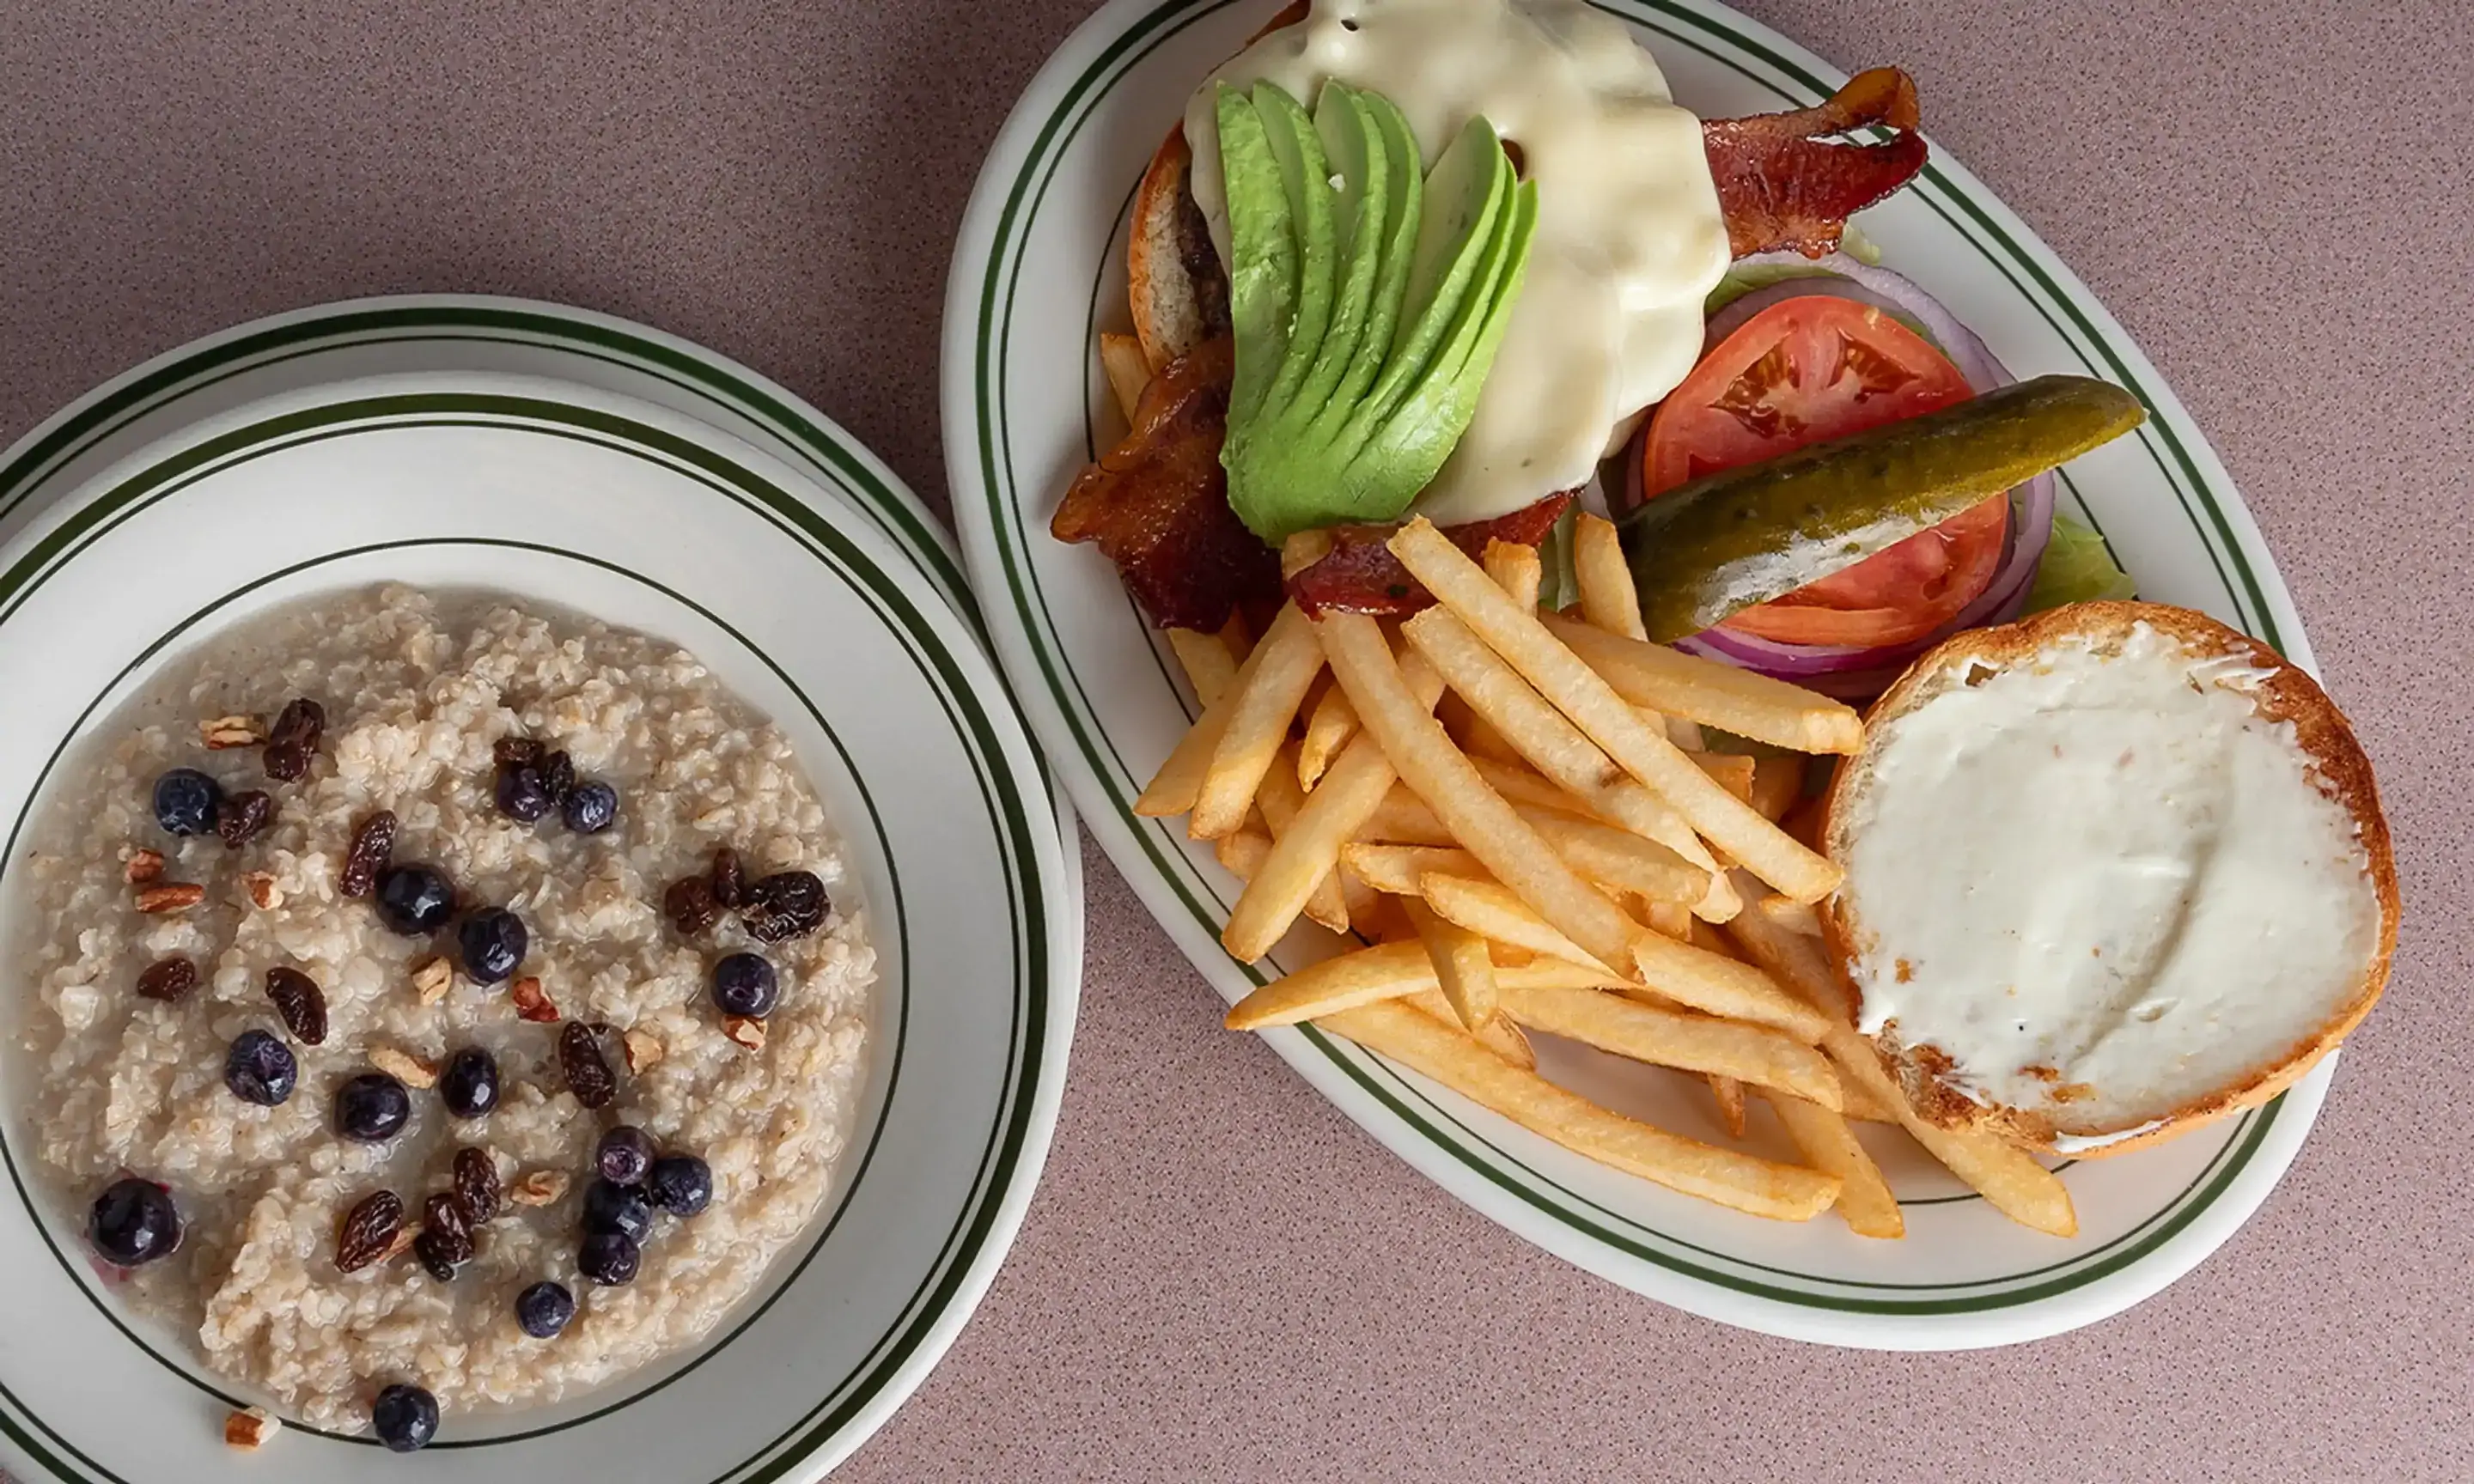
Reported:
(1361, 576)
(1157, 503)
(1782, 184)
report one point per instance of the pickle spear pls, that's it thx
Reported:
(1715, 545)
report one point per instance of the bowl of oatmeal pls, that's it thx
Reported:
(533, 935)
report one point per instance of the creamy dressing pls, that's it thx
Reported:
(1630, 239)
(2103, 885)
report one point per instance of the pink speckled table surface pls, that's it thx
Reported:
(2271, 194)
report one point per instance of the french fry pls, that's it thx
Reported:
(1732, 771)
(1271, 685)
(1544, 803)
(1120, 357)
(1478, 817)
(1717, 695)
(1604, 855)
(1387, 971)
(1239, 638)
(1566, 760)
(1367, 908)
(1243, 851)
(1515, 569)
(1280, 799)
(1402, 818)
(1334, 813)
(1495, 912)
(1462, 969)
(1796, 917)
(1720, 986)
(1579, 692)
(1500, 1034)
(1427, 1046)
(1179, 782)
(1728, 1094)
(1328, 729)
(1667, 917)
(1666, 1038)
(1609, 599)
(1777, 785)
(1209, 668)
(1828, 1144)
(1394, 869)
(1615, 857)
(2002, 1173)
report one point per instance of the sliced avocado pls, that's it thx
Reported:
(1397, 179)
(1715, 545)
(1423, 427)
(1262, 255)
(1368, 296)
(1307, 177)
(1354, 150)
(1464, 194)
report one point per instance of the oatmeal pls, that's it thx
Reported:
(387, 1083)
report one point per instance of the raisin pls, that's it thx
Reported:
(433, 1255)
(442, 1224)
(728, 883)
(515, 751)
(369, 1230)
(294, 738)
(588, 1074)
(476, 1185)
(690, 906)
(301, 1002)
(168, 980)
(558, 775)
(372, 843)
(784, 904)
(241, 816)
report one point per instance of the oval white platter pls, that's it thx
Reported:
(1039, 269)
(633, 514)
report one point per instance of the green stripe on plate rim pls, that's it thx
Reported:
(1138, 40)
(820, 445)
(1025, 899)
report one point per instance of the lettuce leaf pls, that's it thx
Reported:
(2078, 567)
(1559, 582)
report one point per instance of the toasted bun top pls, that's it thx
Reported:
(2110, 869)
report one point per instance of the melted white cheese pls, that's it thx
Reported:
(1629, 242)
(2105, 872)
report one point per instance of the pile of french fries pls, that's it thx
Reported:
(1509, 814)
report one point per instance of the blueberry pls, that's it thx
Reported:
(522, 795)
(470, 1083)
(405, 1419)
(493, 943)
(609, 1258)
(544, 1309)
(415, 900)
(133, 1223)
(185, 801)
(372, 1108)
(744, 984)
(620, 1208)
(680, 1183)
(260, 1070)
(589, 808)
(625, 1156)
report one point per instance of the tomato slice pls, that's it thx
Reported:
(1813, 368)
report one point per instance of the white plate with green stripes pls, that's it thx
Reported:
(771, 564)
(1039, 269)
